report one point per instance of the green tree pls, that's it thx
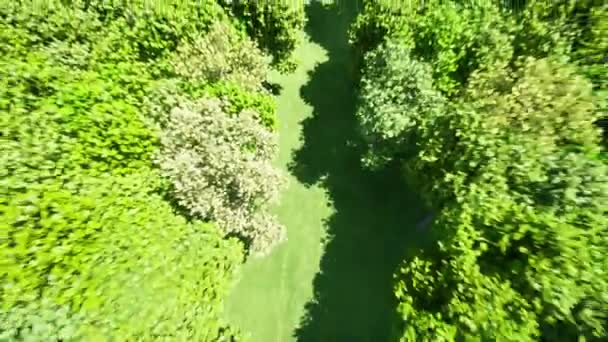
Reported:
(273, 24)
(504, 147)
(92, 242)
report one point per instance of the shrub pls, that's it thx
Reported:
(221, 55)
(573, 31)
(522, 198)
(396, 93)
(166, 94)
(591, 48)
(236, 99)
(548, 284)
(445, 295)
(459, 39)
(590, 51)
(220, 168)
(562, 28)
(58, 119)
(155, 29)
(90, 243)
(508, 158)
(510, 118)
(454, 38)
(99, 257)
(219, 64)
(380, 21)
(274, 25)
(137, 30)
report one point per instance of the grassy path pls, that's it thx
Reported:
(338, 288)
(269, 299)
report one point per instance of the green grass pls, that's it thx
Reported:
(348, 228)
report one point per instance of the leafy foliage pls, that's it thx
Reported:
(496, 129)
(455, 38)
(273, 24)
(572, 30)
(80, 120)
(221, 55)
(236, 99)
(446, 296)
(221, 169)
(166, 94)
(592, 46)
(106, 252)
(91, 243)
(388, 118)
(590, 53)
(378, 21)
(502, 109)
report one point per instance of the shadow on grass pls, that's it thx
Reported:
(372, 227)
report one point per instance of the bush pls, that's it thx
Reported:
(221, 169)
(574, 31)
(59, 119)
(543, 158)
(521, 196)
(221, 55)
(591, 48)
(274, 25)
(236, 99)
(589, 53)
(154, 30)
(98, 257)
(504, 148)
(118, 30)
(380, 21)
(396, 93)
(501, 110)
(454, 38)
(446, 295)
(218, 64)
(91, 244)
(166, 94)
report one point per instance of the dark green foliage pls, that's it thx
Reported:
(273, 24)
(559, 28)
(571, 30)
(454, 38)
(590, 53)
(388, 118)
(458, 39)
(591, 48)
(378, 21)
(508, 155)
(527, 199)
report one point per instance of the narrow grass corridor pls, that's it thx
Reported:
(348, 228)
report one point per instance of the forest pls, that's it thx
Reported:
(273, 170)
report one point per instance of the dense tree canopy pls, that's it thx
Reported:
(491, 110)
(274, 24)
(138, 138)
(98, 235)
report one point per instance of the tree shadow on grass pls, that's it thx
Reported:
(372, 227)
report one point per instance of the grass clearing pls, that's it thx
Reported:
(338, 288)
